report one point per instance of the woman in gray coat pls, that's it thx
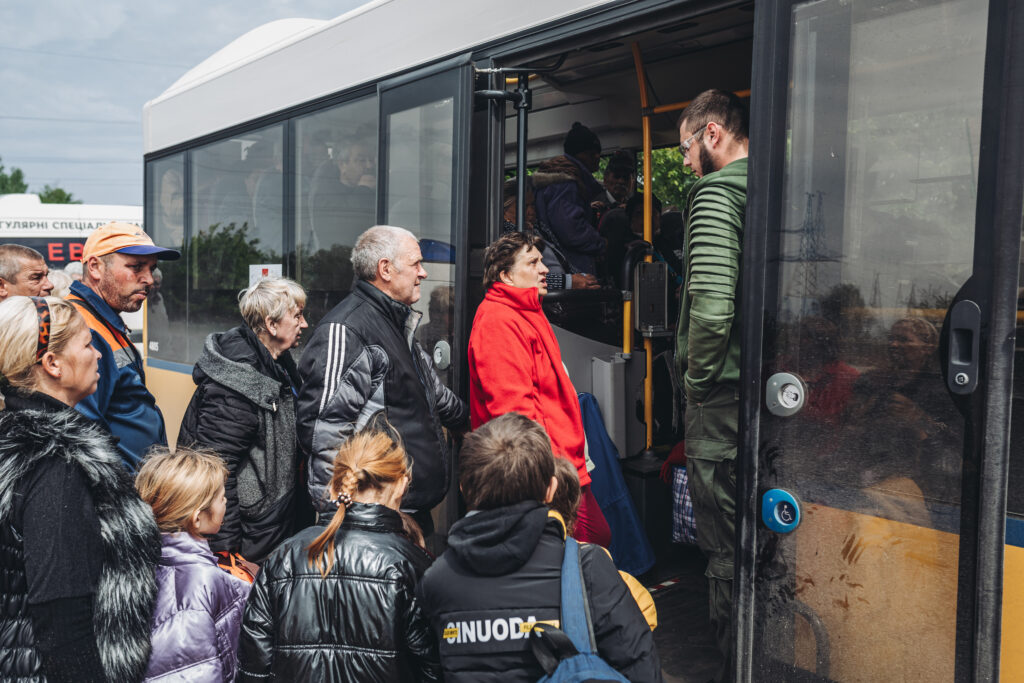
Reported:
(243, 410)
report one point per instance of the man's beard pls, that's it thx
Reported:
(707, 164)
(119, 302)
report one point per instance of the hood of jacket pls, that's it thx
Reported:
(499, 541)
(34, 428)
(236, 359)
(183, 548)
(541, 179)
(566, 165)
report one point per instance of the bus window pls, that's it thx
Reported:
(237, 222)
(335, 197)
(419, 190)
(165, 223)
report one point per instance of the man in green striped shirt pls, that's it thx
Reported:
(713, 142)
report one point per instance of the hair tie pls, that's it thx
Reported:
(43, 313)
(344, 499)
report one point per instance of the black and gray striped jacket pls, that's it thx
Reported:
(364, 358)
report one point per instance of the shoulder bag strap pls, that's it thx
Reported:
(575, 603)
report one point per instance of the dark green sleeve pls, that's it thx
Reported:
(715, 233)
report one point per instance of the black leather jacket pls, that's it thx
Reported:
(363, 358)
(360, 623)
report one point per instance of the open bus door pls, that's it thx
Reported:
(883, 234)
(423, 181)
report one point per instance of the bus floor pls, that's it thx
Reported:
(683, 637)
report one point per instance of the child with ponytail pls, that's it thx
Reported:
(337, 602)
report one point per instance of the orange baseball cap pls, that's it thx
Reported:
(125, 238)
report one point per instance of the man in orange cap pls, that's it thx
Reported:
(118, 261)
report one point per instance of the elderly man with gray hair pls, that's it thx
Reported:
(23, 272)
(363, 359)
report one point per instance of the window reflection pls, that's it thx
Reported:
(237, 210)
(420, 169)
(419, 198)
(336, 198)
(439, 324)
(165, 223)
(876, 238)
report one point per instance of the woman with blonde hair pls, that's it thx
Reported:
(243, 410)
(77, 546)
(339, 603)
(199, 606)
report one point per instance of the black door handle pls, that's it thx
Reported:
(964, 333)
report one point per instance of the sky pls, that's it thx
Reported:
(75, 75)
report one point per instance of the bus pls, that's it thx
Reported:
(59, 231)
(880, 517)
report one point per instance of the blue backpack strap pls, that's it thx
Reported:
(575, 603)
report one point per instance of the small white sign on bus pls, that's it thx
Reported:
(258, 271)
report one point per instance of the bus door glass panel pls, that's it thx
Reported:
(874, 239)
(165, 223)
(422, 194)
(424, 150)
(237, 223)
(335, 198)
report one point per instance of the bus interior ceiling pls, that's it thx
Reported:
(597, 84)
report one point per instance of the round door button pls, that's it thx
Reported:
(442, 355)
(785, 394)
(780, 511)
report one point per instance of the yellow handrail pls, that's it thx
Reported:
(638, 61)
(676, 106)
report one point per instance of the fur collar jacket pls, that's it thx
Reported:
(34, 428)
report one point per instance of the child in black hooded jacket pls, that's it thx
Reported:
(502, 569)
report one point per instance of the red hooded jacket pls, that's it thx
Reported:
(515, 365)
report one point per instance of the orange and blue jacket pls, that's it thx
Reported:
(121, 403)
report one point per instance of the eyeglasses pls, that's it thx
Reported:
(684, 147)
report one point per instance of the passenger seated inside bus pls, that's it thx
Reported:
(263, 182)
(619, 181)
(564, 204)
(622, 226)
(342, 194)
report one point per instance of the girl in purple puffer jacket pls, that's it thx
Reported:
(199, 606)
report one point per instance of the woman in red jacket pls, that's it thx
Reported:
(515, 364)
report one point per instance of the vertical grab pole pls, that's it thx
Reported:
(522, 107)
(627, 323)
(638, 61)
